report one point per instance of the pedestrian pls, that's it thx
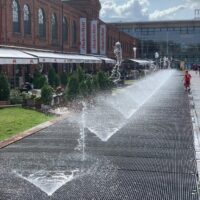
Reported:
(187, 78)
(199, 69)
(196, 68)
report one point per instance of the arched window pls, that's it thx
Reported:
(16, 16)
(27, 20)
(41, 23)
(65, 29)
(74, 32)
(54, 27)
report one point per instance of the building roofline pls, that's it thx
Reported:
(156, 22)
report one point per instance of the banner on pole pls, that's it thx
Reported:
(83, 35)
(103, 39)
(94, 39)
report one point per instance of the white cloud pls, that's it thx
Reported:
(128, 11)
(192, 4)
(167, 13)
(138, 10)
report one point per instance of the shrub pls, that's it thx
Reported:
(95, 83)
(83, 89)
(102, 80)
(81, 75)
(53, 78)
(57, 80)
(16, 97)
(64, 79)
(4, 88)
(47, 94)
(72, 89)
(39, 80)
(89, 85)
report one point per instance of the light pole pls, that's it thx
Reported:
(134, 50)
(156, 57)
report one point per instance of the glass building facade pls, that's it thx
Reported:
(177, 40)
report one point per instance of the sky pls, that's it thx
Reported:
(147, 10)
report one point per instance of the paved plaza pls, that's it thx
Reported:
(195, 102)
(151, 158)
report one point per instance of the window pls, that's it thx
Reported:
(27, 20)
(74, 32)
(41, 23)
(54, 32)
(65, 29)
(16, 16)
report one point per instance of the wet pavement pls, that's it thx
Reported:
(151, 158)
(195, 102)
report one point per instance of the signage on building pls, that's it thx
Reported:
(94, 36)
(83, 36)
(103, 39)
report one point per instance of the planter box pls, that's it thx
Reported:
(4, 103)
(29, 103)
(38, 104)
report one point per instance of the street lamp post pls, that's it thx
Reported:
(156, 57)
(134, 50)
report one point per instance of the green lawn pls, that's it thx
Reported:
(16, 120)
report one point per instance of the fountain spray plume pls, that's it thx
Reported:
(116, 75)
(81, 140)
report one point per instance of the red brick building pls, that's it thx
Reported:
(58, 26)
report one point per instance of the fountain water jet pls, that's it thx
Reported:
(108, 114)
(112, 112)
(49, 181)
(81, 140)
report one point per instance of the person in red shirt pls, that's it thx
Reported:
(187, 78)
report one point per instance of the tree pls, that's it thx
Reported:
(57, 80)
(72, 89)
(64, 79)
(83, 89)
(89, 85)
(81, 75)
(104, 82)
(39, 80)
(52, 77)
(95, 83)
(4, 88)
(47, 94)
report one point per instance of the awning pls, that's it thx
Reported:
(12, 56)
(49, 57)
(108, 60)
(140, 62)
(82, 59)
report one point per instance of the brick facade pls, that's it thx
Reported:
(1, 7)
(72, 11)
(33, 40)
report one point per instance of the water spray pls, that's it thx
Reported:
(116, 75)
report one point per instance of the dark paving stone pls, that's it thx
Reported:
(151, 158)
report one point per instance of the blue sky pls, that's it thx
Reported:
(148, 10)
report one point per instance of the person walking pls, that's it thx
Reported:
(199, 69)
(187, 78)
